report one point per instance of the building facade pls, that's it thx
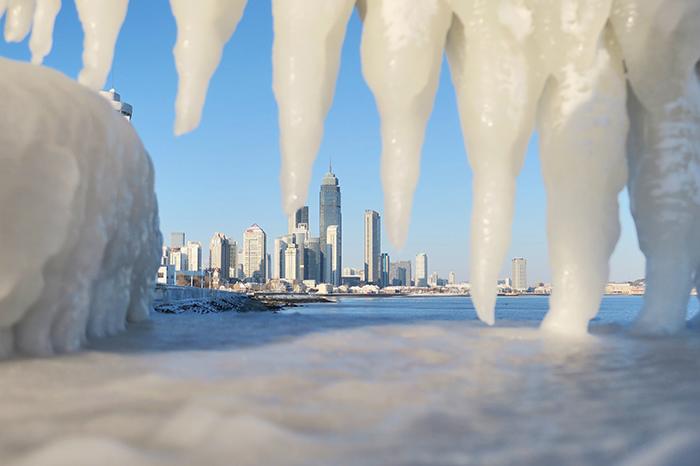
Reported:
(298, 218)
(386, 267)
(373, 247)
(177, 239)
(255, 253)
(219, 254)
(422, 269)
(400, 273)
(333, 255)
(329, 215)
(519, 274)
(194, 256)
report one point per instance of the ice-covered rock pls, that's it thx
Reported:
(78, 215)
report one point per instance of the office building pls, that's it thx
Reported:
(194, 256)
(219, 255)
(519, 274)
(330, 214)
(298, 218)
(254, 253)
(177, 240)
(400, 273)
(332, 257)
(422, 269)
(386, 266)
(373, 247)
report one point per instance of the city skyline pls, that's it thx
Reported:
(243, 146)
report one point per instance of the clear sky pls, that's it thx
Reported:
(224, 175)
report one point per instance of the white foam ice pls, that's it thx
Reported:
(329, 387)
(18, 19)
(79, 215)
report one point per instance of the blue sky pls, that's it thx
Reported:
(224, 175)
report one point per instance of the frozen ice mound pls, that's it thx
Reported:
(78, 215)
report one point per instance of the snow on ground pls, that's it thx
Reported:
(328, 388)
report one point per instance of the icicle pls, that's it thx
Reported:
(3, 7)
(583, 126)
(42, 30)
(498, 82)
(101, 20)
(18, 20)
(402, 48)
(203, 28)
(660, 41)
(305, 58)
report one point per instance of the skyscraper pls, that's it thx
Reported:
(373, 247)
(177, 239)
(386, 267)
(519, 273)
(300, 217)
(219, 254)
(422, 269)
(233, 258)
(312, 259)
(330, 214)
(254, 253)
(400, 273)
(332, 258)
(194, 256)
(452, 278)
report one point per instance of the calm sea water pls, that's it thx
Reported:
(620, 310)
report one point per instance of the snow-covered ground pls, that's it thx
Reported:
(414, 381)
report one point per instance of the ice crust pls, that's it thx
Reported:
(611, 86)
(79, 215)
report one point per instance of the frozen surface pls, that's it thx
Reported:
(384, 381)
(78, 215)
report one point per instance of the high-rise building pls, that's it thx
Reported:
(278, 256)
(519, 273)
(312, 259)
(333, 255)
(232, 258)
(177, 239)
(386, 266)
(194, 256)
(373, 247)
(178, 259)
(400, 273)
(219, 254)
(115, 101)
(254, 253)
(330, 214)
(291, 263)
(298, 218)
(422, 269)
(268, 267)
(452, 278)
(434, 279)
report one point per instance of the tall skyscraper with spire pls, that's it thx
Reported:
(329, 214)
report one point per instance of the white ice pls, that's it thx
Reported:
(203, 28)
(402, 48)
(79, 215)
(336, 388)
(305, 58)
(101, 20)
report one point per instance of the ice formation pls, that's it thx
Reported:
(611, 86)
(79, 216)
